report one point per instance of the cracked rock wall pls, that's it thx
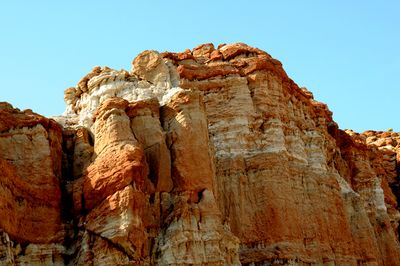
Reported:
(213, 156)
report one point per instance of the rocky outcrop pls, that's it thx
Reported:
(30, 194)
(213, 156)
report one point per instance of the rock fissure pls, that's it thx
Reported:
(113, 244)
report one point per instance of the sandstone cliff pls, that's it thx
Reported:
(213, 156)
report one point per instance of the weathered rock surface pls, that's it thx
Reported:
(30, 193)
(213, 156)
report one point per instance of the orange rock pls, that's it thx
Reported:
(230, 51)
(187, 54)
(30, 163)
(186, 126)
(201, 72)
(203, 52)
(119, 157)
(207, 157)
(146, 126)
(119, 219)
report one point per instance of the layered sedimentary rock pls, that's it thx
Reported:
(213, 156)
(31, 225)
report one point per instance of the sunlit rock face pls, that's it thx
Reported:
(212, 156)
(31, 226)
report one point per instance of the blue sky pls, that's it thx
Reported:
(346, 52)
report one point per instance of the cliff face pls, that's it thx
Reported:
(208, 157)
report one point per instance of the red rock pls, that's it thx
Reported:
(187, 54)
(119, 157)
(230, 51)
(208, 157)
(192, 72)
(30, 163)
(146, 126)
(186, 125)
(203, 52)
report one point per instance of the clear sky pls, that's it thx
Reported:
(346, 52)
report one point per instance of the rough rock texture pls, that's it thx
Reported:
(30, 194)
(213, 156)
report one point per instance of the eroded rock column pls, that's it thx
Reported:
(193, 232)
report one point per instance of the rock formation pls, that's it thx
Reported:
(212, 156)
